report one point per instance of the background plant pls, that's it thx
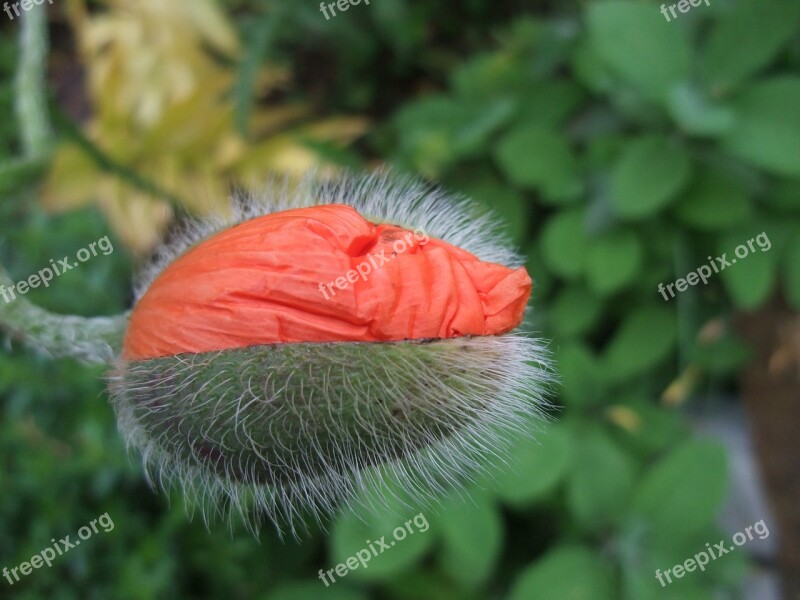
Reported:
(621, 150)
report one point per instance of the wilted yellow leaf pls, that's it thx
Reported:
(162, 109)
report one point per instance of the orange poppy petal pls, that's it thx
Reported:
(321, 274)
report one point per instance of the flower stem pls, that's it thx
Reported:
(89, 339)
(31, 103)
(93, 340)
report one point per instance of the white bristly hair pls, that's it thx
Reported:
(289, 431)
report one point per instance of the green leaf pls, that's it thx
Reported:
(792, 273)
(641, 557)
(534, 466)
(600, 482)
(784, 196)
(643, 585)
(564, 243)
(436, 131)
(613, 261)
(472, 536)
(767, 134)
(696, 113)
(649, 428)
(590, 70)
(394, 21)
(480, 122)
(713, 203)
(424, 582)
(531, 50)
(549, 104)
(543, 281)
(603, 148)
(646, 338)
(737, 49)
(542, 43)
(722, 357)
(566, 573)
(501, 199)
(752, 274)
(683, 492)
(16, 174)
(650, 173)
(582, 380)
(537, 157)
(574, 311)
(312, 590)
(351, 533)
(637, 42)
(486, 75)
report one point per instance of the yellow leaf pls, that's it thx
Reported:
(163, 110)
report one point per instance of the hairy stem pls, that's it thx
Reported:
(93, 340)
(31, 103)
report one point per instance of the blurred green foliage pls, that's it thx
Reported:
(622, 151)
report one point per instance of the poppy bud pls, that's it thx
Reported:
(285, 357)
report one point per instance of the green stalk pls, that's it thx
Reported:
(93, 340)
(31, 103)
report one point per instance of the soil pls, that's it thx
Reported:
(771, 391)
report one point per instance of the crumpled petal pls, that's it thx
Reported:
(283, 278)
